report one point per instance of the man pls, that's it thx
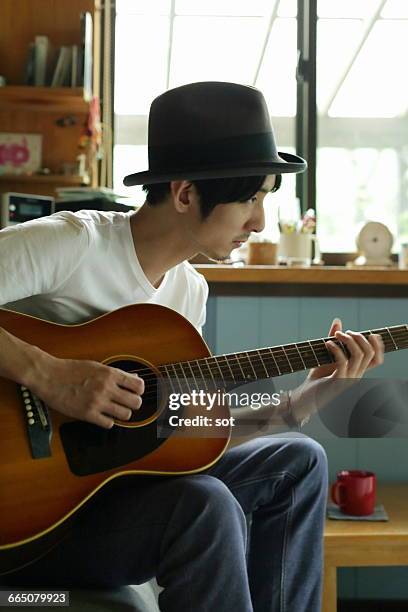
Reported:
(212, 159)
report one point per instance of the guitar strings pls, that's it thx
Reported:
(254, 357)
(236, 368)
(197, 377)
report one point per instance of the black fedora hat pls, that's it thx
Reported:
(212, 130)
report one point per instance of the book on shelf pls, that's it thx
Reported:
(42, 61)
(30, 66)
(62, 68)
(74, 66)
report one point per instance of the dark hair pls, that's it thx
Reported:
(214, 191)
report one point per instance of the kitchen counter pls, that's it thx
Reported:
(315, 280)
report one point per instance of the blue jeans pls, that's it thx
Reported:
(190, 532)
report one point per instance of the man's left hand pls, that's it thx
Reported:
(364, 354)
(318, 388)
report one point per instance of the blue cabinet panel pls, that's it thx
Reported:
(387, 457)
(210, 327)
(384, 312)
(279, 320)
(317, 314)
(237, 324)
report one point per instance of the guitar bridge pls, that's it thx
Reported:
(39, 428)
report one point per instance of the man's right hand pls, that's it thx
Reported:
(88, 390)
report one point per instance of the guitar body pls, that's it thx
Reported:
(39, 496)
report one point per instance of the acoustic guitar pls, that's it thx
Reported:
(52, 464)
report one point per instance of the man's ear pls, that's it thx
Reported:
(183, 194)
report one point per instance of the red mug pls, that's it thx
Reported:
(354, 492)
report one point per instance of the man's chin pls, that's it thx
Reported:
(217, 257)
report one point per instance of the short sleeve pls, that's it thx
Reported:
(37, 256)
(202, 305)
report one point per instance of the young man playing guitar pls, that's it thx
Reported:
(212, 159)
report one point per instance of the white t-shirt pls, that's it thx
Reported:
(72, 267)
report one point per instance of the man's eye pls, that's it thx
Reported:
(253, 199)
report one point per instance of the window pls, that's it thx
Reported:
(361, 91)
(362, 100)
(164, 44)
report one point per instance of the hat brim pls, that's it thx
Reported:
(289, 164)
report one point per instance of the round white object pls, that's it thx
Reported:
(374, 242)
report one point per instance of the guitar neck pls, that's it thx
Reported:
(275, 361)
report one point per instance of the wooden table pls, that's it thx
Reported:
(364, 543)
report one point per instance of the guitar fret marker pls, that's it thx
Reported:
(392, 339)
(250, 363)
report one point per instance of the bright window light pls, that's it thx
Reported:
(215, 49)
(346, 8)
(277, 78)
(140, 63)
(356, 186)
(342, 35)
(364, 159)
(143, 7)
(240, 8)
(128, 159)
(374, 86)
(395, 9)
(287, 8)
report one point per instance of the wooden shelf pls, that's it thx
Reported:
(46, 99)
(50, 179)
(325, 275)
(26, 109)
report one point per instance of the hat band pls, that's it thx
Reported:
(239, 150)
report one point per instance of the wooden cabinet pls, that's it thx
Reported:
(42, 110)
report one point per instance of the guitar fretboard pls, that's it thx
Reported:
(272, 361)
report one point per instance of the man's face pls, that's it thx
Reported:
(229, 225)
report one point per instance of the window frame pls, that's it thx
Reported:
(372, 132)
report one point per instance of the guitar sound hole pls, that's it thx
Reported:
(90, 449)
(150, 397)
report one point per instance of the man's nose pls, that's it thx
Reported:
(257, 221)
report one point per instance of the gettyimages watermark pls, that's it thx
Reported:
(209, 409)
(363, 408)
(209, 399)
